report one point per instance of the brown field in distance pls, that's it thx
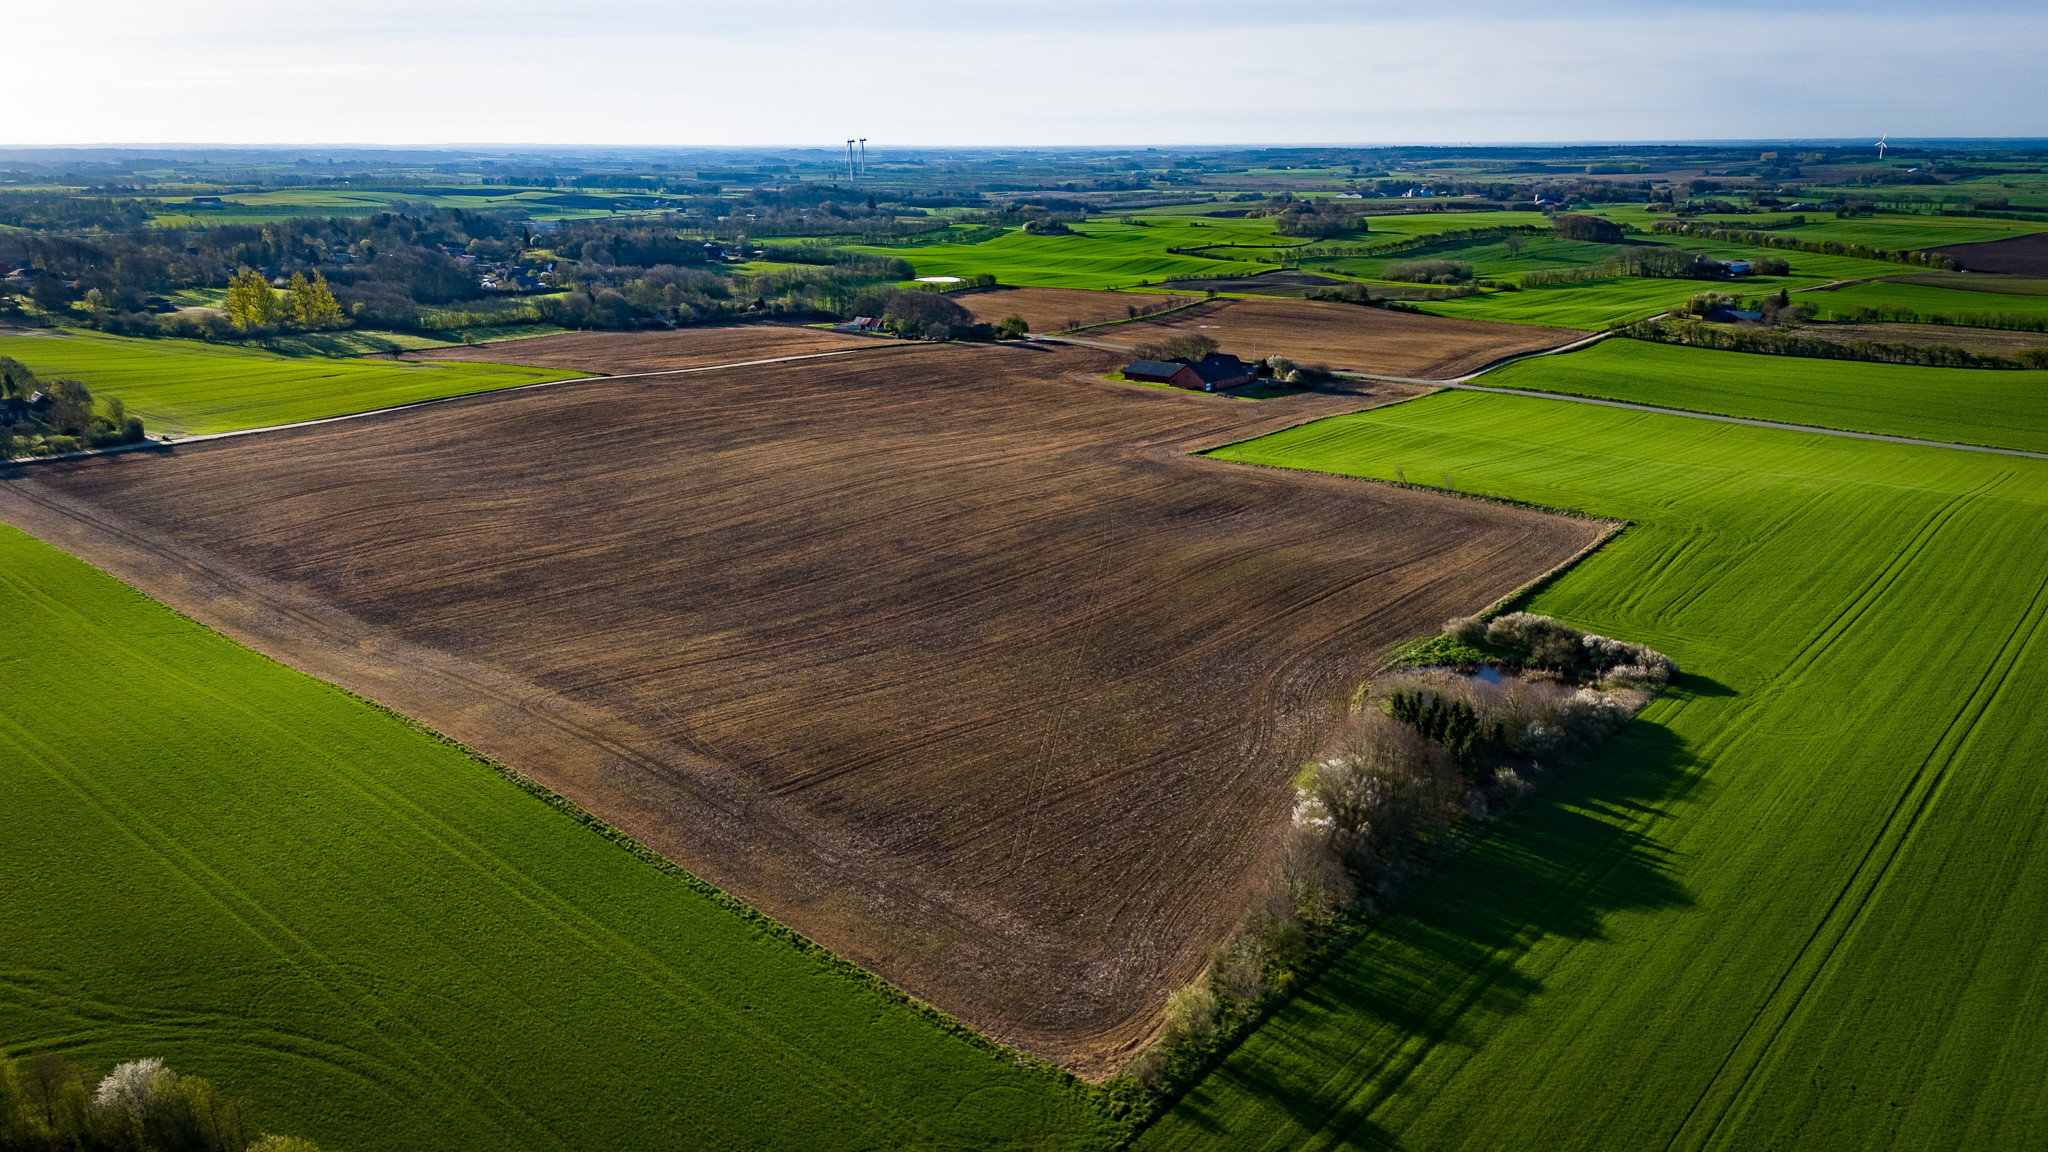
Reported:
(949, 657)
(1053, 309)
(2014, 256)
(1346, 337)
(617, 352)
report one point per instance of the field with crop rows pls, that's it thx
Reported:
(792, 625)
(188, 387)
(1102, 253)
(1347, 337)
(1798, 904)
(1489, 257)
(272, 884)
(1590, 304)
(2006, 409)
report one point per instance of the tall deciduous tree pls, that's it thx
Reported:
(312, 302)
(251, 303)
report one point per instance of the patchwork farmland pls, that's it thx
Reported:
(1345, 336)
(1740, 918)
(1007, 720)
(917, 738)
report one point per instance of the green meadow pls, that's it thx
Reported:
(1590, 304)
(184, 386)
(1108, 253)
(265, 881)
(1798, 903)
(1100, 254)
(2004, 409)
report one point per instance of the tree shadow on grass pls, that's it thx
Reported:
(1443, 968)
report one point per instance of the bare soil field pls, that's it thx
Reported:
(615, 353)
(1348, 337)
(1057, 309)
(950, 657)
(2017, 256)
(1984, 341)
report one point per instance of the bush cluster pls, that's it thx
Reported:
(1781, 342)
(1428, 271)
(2009, 321)
(63, 418)
(1429, 749)
(140, 1106)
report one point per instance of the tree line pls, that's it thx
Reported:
(44, 418)
(1781, 342)
(1429, 750)
(1756, 239)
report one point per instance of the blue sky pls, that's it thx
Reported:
(1051, 72)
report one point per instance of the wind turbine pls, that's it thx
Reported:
(1880, 144)
(863, 155)
(849, 159)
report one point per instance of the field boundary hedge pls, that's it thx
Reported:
(1756, 239)
(1332, 941)
(1430, 240)
(1772, 342)
(1884, 314)
(1143, 316)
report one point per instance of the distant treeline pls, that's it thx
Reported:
(1654, 262)
(1779, 342)
(423, 272)
(1413, 243)
(1756, 239)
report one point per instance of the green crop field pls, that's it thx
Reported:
(1587, 304)
(189, 387)
(1489, 258)
(1798, 903)
(2005, 409)
(216, 860)
(1925, 299)
(1101, 254)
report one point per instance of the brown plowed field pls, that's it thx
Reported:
(2017, 255)
(948, 656)
(1347, 337)
(620, 352)
(1054, 309)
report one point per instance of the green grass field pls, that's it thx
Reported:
(1107, 253)
(1101, 253)
(1924, 299)
(1963, 405)
(189, 387)
(1489, 258)
(1798, 904)
(216, 860)
(1588, 304)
